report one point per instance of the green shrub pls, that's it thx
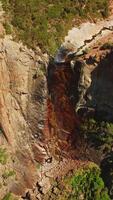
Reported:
(7, 27)
(82, 184)
(107, 172)
(3, 156)
(38, 165)
(8, 197)
(8, 174)
(86, 51)
(46, 22)
(1, 131)
(98, 134)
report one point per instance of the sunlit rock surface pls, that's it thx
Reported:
(80, 38)
(23, 93)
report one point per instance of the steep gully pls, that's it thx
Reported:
(63, 121)
(66, 148)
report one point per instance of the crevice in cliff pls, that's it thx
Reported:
(75, 94)
(110, 28)
(71, 49)
(63, 121)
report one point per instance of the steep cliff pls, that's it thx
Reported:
(22, 109)
(43, 105)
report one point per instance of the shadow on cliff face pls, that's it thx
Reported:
(101, 89)
(63, 121)
(97, 116)
(107, 172)
(96, 99)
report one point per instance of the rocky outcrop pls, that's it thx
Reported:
(95, 85)
(78, 39)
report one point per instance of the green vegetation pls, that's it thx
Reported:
(107, 45)
(98, 134)
(7, 27)
(8, 174)
(46, 22)
(107, 172)
(86, 51)
(1, 131)
(3, 156)
(38, 165)
(83, 184)
(88, 184)
(8, 197)
(0, 185)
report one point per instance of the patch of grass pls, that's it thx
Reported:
(8, 197)
(46, 22)
(1, 131)
(7, 27)
(38, 165)
(8, 174)
(41, 70)
(3, 156)
(0, 185)
(86, 51)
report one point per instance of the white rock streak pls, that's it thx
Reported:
(79, 38)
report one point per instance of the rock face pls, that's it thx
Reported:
(62, 118)
(78, 39)
(22, 108)
(93, 73)
(80, 86)
(95, 86)
(39, 117)
(23, 85)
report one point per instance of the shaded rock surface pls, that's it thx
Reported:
(95, 84)
(62, 119)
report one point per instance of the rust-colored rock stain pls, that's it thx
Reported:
(62, 121)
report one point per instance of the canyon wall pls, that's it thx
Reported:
(42, 105)
(23, 93)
